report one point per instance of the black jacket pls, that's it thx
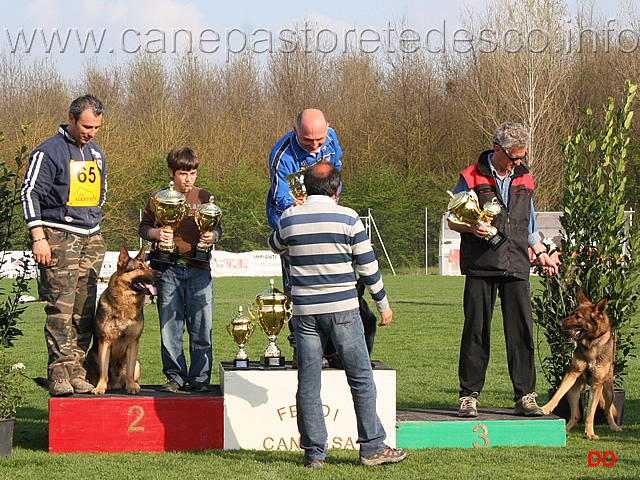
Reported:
(511, 259)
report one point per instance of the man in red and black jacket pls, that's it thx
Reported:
(504, 270)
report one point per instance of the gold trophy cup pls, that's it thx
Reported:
(241, 329)
(464, 209)
(273, 311)
(296, 185)
(207, 217)
(170, 208)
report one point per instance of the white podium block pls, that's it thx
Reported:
(260, 407)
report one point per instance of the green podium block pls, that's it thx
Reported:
(424, 428)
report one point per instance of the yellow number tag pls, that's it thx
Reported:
(84, 184)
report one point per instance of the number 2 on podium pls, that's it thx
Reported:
(139, 413)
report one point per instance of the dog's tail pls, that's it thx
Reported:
(43, 382)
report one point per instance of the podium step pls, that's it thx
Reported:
(152, 421)
(260, 407)
(156, 421)
(498, 427)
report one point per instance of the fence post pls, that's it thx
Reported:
(426, 243)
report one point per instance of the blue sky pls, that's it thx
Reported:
(217, 29)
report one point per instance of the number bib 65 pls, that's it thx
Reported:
(84, 184)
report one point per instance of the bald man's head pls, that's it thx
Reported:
(311, 129)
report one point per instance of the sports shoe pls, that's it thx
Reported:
(528, 407)
(201, 387)
(314, 463)
(60, 387)
(80, 385)
(468, 406)
(171, 386)
(388, 455)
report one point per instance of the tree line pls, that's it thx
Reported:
(408, 120)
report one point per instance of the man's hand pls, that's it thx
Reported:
(387, 316)
(40, 248)
(208, 238)
(165, 234)
(546, 264)
(480, 230)
(42, 252)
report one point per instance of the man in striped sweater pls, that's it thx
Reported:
(323, 240)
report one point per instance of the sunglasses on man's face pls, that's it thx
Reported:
(523, 157)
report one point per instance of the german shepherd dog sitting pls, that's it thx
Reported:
(369, 321)
(592, 362)
(112, 361)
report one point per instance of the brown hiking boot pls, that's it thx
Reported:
(80, 385)
(60, 387)
(388, 455)
(469, 405)
(528, 407)
(315, 463)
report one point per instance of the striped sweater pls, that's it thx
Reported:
(324, 240)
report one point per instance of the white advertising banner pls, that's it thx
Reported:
(13, 264)
(257, 263)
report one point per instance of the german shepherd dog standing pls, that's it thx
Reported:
(592, 362)
(112, 361)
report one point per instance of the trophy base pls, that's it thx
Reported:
(272, 362)
(201, 256)
(241, 363)
(496, 240)
(166, 257)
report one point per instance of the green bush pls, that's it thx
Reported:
(600, 245)
(10, 309)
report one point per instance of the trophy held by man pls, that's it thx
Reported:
(464, 209)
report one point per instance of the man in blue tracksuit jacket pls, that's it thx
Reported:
(310, 142)
(63, 192)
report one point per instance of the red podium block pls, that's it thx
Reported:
(152, 421)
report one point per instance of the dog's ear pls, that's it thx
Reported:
(141, 255)
(582, 299)
(600, 306)
(124, 257)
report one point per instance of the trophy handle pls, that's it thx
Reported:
(253, 317)
(185, 212)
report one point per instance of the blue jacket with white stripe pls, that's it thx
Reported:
(45, 192)
(287, 156)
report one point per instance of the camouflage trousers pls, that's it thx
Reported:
(69, 287)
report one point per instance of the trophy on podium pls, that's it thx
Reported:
(170, 208)
(273, 311)
(207, 217)
(241, 329)
(464, 209)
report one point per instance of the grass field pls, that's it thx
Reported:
(421, 344)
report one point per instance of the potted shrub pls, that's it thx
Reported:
(11, 385)
(600, 245)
